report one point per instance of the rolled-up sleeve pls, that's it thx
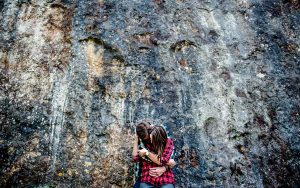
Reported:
(167, 152)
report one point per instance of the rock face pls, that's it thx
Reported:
(222, 76)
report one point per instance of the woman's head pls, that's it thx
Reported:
(142, 130)
(158, 139)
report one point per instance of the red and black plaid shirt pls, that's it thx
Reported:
(168, 176)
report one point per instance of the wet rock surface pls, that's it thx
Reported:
(222, 76)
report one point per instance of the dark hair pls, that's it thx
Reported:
(159, 139)
(143, 130)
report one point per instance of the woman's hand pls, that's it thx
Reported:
(142, 152)
(157, 171)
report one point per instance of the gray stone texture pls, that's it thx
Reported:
(222, 76)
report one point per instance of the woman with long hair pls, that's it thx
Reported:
(159, 151)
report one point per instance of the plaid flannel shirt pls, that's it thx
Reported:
(167, 177)
(138, 163)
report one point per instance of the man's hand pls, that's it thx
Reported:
(157, 171)
(142, 152)
(171, 163)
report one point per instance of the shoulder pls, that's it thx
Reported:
(170, 140)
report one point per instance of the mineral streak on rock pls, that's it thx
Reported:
(222, 76)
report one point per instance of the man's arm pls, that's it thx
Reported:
(171, 163)
(135, 155)
(158, 171)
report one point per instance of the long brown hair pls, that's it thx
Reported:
(159, 139)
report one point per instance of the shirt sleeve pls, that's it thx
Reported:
(167, 152)
(136, 158)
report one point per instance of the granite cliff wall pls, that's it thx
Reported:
(222, 76)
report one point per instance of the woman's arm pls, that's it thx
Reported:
(153, 157)
(164, 159)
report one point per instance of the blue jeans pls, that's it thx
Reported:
(137, 183)
(146, 185)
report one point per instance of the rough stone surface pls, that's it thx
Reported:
(221, 75)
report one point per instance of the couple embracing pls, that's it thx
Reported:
(152, 151)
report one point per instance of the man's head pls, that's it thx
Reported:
(143, 130)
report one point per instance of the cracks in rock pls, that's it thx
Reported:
(180, 45)
(58, 4)
(236, 169)
(114, 50)
(206, 9)
(146, 39)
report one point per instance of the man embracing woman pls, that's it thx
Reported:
(151, 153)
